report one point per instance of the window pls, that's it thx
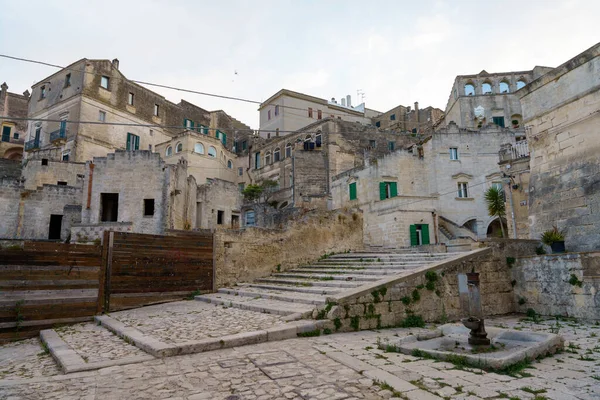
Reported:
(102, 116)
(276, 110)
(68, 80)
(65, 155)
(212, 152)
(268, 135)
(469, 89)
(199, 148)
(220, 217)
(169, 151)
(310, 114)
(419, 234)
(241, 186)
(486, 88)
(318, 139)
(44, 161)
(250, 218)
(148, 207)
(319, 115)
(288, 150)
(16, 135)
(179, 147)
(109, 210)
(42, 92)
(269, 115)
(6, 133)
(391, 146)
(104, 80)
(229, 164)
(150, 147)
(240, 171)
(504, 88)
(454, 153)
(130, 99)
(497, 185)
(156, 109)
(378, 124)
(257, 160)
(235, 221)
(268, 158)
(244, 145)
(393, 117)
(498, 121)
(133, 142)
(151, 132)
(277, 154)
(352, 190)
(462, 190)
(372, 144)
(61, 183)
(520, 84)
(387, 190)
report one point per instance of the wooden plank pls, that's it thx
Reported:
(109, 260)
(102, 274)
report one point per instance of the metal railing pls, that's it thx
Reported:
(58, 135)
(33, 144)
(514, 152)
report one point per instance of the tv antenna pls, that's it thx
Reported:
(361, 95)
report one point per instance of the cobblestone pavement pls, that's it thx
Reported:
(307, 368)
(194, 320)
(95, 344)
(25, 359)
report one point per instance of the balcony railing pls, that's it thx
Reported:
(33, 144)
(514, 152)
(60, 134)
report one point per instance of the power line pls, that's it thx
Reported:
(183, 89)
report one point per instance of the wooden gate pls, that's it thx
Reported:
(142, 269)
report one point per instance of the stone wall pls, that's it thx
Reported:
(217, 196)
(559, 284)
(10, 197)
(36, 174)
(432, 292)
(244, 255)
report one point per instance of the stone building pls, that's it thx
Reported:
(431, 192)
(561, 110)
(12, 130)
(287, 111)
(119, 114)
(484, 98)
(405, 119)
(514, 164)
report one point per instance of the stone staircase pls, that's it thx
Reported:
(297, 292)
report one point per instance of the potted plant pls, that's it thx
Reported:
(554, 238)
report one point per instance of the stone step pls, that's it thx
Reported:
(334, 272)
(300, 289)
(325, 277)
(359, 266)
(311, 283)
(276, 307)
(293, 297)
(379, 259)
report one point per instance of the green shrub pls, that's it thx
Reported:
(416, 296)
(553, 235)
(413, 321)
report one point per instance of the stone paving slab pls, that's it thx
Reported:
(25, 359)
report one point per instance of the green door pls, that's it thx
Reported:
(425, 233)
(414, 239)
(352, 191)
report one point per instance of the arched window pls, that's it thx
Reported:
(277, 154)
(486, 88)
(308, 138)
(179, 147)
(229, 164)
(318, 139)
(504, 88)
(268, 158)
(288, 150)
(469, 89)
(520, 84)
(199, 148)
(212, 152)
(169, 151)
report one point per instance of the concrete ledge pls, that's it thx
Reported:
(410, 274)
(69, 361)
(160, 349)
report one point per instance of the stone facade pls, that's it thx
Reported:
(46, 171)
(559, 284)
(514, 163)
(12, 131)
(561, 110)
(405, 119)
(218, 204)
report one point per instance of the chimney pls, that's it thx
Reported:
(26, 93)
(3, 90)
(115, 63)
(343, 101)
(333, 100)
(417, 110)
(349, 101)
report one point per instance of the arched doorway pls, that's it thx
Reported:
(494, 229)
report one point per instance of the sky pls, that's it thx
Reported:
(396, 52)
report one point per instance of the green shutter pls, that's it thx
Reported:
(224, 139)
(393, 189)
(217, 133)
(353, 191)
(128, 142)
(382, 191)
(137, 142)
(413, 235)
(205, 130)
(425, 233)
(185, 123)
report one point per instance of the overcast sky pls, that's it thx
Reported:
(397, 52)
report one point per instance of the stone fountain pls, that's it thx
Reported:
(478, 335)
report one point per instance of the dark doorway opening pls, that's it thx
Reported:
(220, 215)
(109, 211)
(55, 227)
(235, 221)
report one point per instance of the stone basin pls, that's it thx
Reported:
(507, 347)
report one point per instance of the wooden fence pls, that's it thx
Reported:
(48, 283)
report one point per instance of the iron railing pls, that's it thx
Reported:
(33, 144)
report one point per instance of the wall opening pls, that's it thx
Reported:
(109, 210)
(199, 214)
(220, 217)
(235, 221)
(55, 227)
(148, 207)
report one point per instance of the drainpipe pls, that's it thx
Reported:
(435, 226)
(512, 210)
(89, 193)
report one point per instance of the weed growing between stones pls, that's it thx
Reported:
(510, 261)
(575, 281)
(413, 321)
(405, 300)
(316, 332)
(337, 323)
(522, 300)
(19, 315)
(386, 386)
(354, 322)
